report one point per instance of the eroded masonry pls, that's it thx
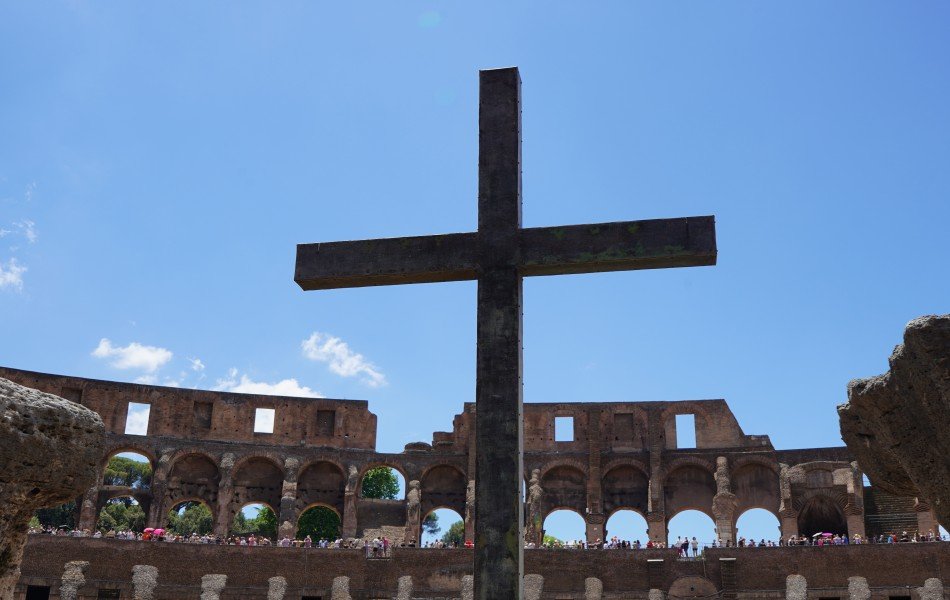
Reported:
(203, 447)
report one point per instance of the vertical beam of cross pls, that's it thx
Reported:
(499, 519)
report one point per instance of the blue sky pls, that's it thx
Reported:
(159, 164)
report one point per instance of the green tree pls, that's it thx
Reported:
(430, 525)
(128, 472)
(263, 523)
(380, 483)
(320, 523)
(120, 514)
(64, 515)
(190, 517)
(241, 525)
(455, 534)
(550, 540)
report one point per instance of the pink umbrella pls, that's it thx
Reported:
(159, 531)
(827, 535)
(148, 530)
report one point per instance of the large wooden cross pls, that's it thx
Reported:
(499, 255)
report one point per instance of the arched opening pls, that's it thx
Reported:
(564, 487)
(258, 480)
(189, 518)
(130, 470)
(759, 525)
(255, 519)
(564, 528)
(693, 587)
(121, 514)
(689, 487)
(443, 486)
(756, 486)
(689, 524)
(193, 477)
(320, 522)
(321, 483)
(820, 514)
(626, 526)
(383, 483)
(443, 528)
(943, 533)
(626, 486)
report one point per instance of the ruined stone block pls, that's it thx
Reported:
(931, 590)
(404, 588)
(593, 589)
(340, 589)
(796, 588)
(74, 577)
(468, 587)
(276, 588)
(533, 586)
(212, 585)
(144, 582)
(858, 588)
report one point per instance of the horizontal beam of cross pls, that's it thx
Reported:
(599, 247)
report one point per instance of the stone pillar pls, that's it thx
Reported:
(468, 587)
(593, 589)
(926, 519)
(144, 582)
(222, 519)
(656, 527)
(858, 589)
(404, 588)
(74, 577)
(470, 511)
(276, 588)
(287, 519)
(724, 503)
(156, 516)
(932, 590)
(533, 586)
(212, 585)
(595, 528)
(788, 524)
(655, 594)
(89, 506)
(855, 522)
(413, 508)
(796, 588)
(348, 520)
(50, 452)
(340, 589)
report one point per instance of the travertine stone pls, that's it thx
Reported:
(276, 588)
(144, 581)
(932, 590)
(655, 594)
(896, 424)
(593, 589)
(468, 587)
(50, 450)
(212, 585)
(533, 586)
(340, 589)
(858, 588)
(404, 588)
(74, 577)
(796, 588)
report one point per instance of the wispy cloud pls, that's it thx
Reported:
(28, 229)
(241, 383)
(11, 275)
(196, 364)
(133, 356)
(322, 347)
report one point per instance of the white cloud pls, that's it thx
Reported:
(11, 275)
(245, 385)
(28, 228)
(323, 347)
(133, 356)
(196, 364)
(146, 379)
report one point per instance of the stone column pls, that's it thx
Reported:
(786, 511)
(404, 588)
(468, 587)
(655, 594)
(595, 528)
(858, 589)
(222, 520)
(413, 508)
(724, 503)
(89, 506)
(74, 577)
(595, 505)
(276, 588)
(340, 589)
(348, 524)
(287, 520)
(50, 452)
(932, 590)
(926, 519)
(155, 516)
(796, 588)
(593, 589)
(470, 511)
(212, 585)
(656, 527)
(533, 586)
(144, 582)
(855, 522)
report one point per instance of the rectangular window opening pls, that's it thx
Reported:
(203, 411)
(325, 419)
(136, 419)
(37, 592)
(685, 431)
(264, 420)
(108, 593)
(563, 429)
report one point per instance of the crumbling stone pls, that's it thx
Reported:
(276, 588)
(74, 577)
(533, 585)
(468, 587)
(858, 588)
(144, 582)
(655, 594)
(593, 589)
(932, 590)
(404, 588)
(50, 450)
(340, 589)
(896, 424)
(212, 585)
(796, 587)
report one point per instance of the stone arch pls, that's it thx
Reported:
(579, 535)
(565, 487)
(238, 507)
(694, 461)
(689, 486)
(302, 525)
(443, 486)
(166, 518)
(693, 587)
(821, 513)
(130, 449)
(756, 486)
(383, 463)
(140, 511)
(756, 517)
(625, 486)
(321, 482)
(563, 462)
(192, 475)
(444, 526)
(119, 448)
(256, 479)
